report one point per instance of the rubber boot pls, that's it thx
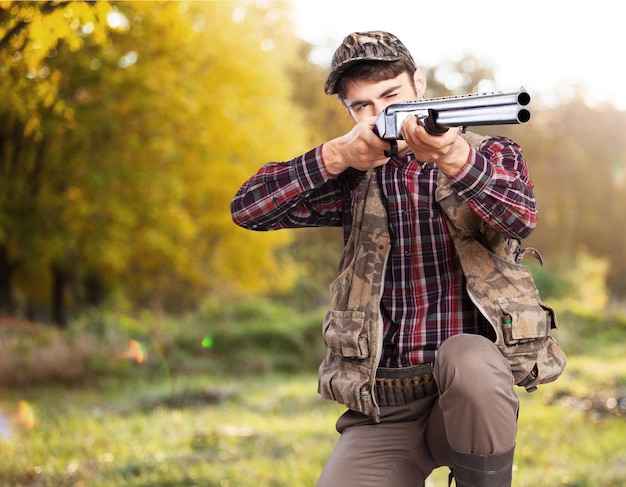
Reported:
(470, 470)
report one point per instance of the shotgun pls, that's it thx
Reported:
(437, 114)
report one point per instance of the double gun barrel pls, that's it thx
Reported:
(497, 108)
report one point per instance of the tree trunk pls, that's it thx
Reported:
(59, 284)
(7, 269)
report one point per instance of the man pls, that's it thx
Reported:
(429, 387)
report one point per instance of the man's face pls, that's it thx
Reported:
(368, 98)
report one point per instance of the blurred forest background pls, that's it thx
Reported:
(125, 130)
(127, 127)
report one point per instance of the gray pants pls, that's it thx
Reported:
(475, 412)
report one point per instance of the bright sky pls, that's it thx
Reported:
(547, 46)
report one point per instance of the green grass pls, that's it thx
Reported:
(205, 431)
(243, 411)
(273, 430)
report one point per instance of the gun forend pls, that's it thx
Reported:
(497, 108)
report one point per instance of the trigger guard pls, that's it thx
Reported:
(393, 149)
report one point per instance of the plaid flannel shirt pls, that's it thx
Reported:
(424, 299)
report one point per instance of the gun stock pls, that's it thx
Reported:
(497, 108)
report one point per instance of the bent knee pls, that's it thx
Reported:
(470, 360)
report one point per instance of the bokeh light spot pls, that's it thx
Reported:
(137, 351)
(26, 415)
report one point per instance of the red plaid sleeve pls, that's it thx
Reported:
(290, 194)
(497, 186)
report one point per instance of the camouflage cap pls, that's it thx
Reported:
(364, 46)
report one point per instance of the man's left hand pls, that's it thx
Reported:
(449, 151)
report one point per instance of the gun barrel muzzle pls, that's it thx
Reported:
(503, 107)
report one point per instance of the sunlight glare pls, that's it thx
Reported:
(117, 20)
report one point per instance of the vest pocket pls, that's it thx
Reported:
(523, 319)
(345, 335)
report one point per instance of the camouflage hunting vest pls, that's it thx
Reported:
(353, 327)
(501, 288)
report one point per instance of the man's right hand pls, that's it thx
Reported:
(360, 148)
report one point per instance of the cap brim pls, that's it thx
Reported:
(330, 87)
